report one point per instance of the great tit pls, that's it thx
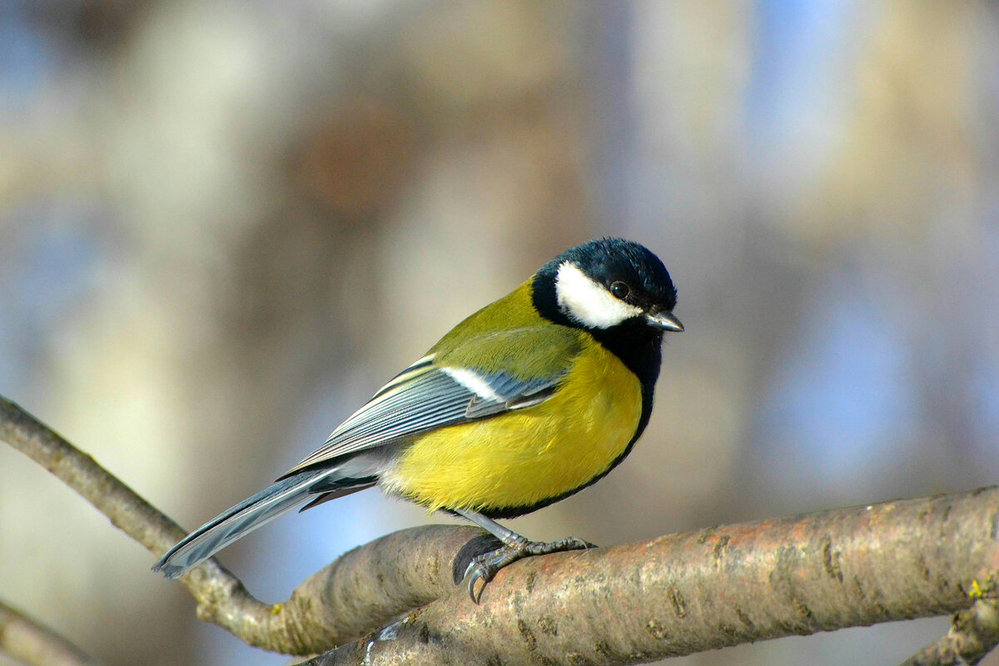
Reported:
(525, 402)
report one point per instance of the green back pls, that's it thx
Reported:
(509, 335)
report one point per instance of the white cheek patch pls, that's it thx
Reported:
(588, 302)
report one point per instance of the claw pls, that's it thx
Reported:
(473, 575)
(486, 566)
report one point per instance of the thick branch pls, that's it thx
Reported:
(692, 592)
(30, 642)
(670, 596)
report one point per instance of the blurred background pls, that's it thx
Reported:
(224, 225)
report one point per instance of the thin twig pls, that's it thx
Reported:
(29, 641)
(973, 633)
(313, 619)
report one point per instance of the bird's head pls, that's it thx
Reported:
(607, 283)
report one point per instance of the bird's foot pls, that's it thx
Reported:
(484, 567)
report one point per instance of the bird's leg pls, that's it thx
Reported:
(515, 547)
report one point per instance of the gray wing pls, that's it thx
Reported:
(424, 397)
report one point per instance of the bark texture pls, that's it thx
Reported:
(398, 600)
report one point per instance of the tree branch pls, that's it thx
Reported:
(28, 641)
(719, 587)
(973, 633)
(314, 618)
(670, 596)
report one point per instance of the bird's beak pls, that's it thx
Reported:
(664, 320)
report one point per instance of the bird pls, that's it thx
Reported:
(522, 404)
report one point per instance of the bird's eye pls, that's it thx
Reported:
(620, 289)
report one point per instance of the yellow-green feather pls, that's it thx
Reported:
(527, 456)
(510, 336)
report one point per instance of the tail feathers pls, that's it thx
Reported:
(242, 519)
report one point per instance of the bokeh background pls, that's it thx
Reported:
(223, 225)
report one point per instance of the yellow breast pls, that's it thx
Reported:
(522, 458)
